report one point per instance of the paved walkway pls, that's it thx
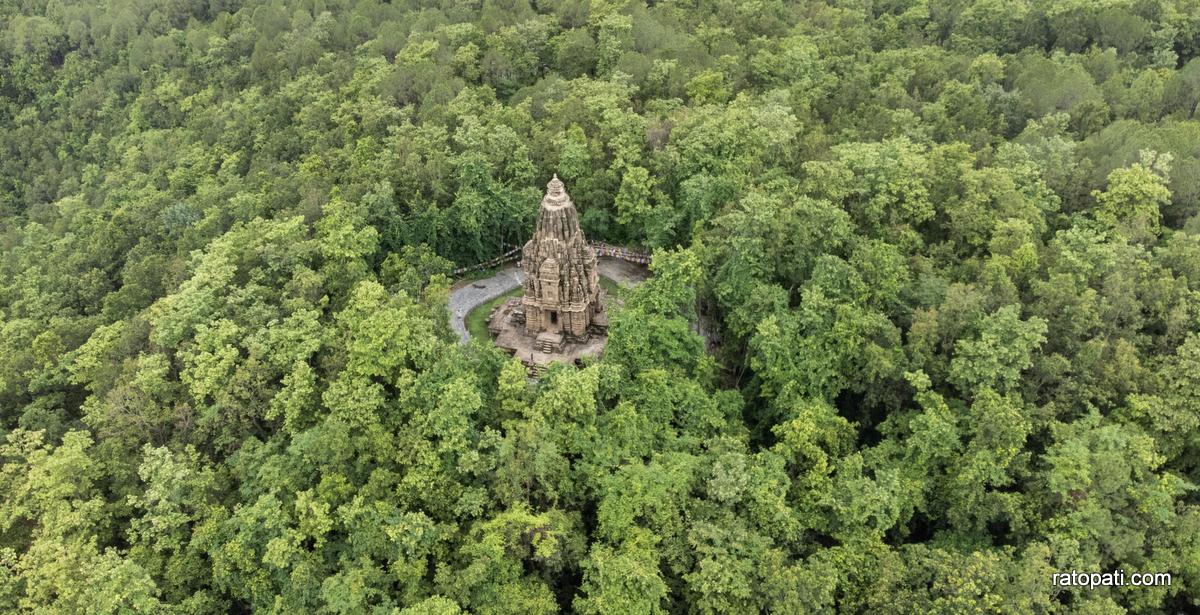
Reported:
(621, 272)
(469, 294)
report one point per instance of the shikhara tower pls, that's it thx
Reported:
(562, 288)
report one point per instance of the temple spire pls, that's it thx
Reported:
(557, 216)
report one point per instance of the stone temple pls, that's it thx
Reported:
(561, 313)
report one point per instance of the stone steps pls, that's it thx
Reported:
(548, 343)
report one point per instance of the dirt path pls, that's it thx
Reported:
(465, 295)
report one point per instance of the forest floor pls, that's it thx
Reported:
(467, 295)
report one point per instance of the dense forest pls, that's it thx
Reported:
(950, 250)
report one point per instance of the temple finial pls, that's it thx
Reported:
(555, 187)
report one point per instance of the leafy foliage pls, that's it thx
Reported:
(923, 325)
